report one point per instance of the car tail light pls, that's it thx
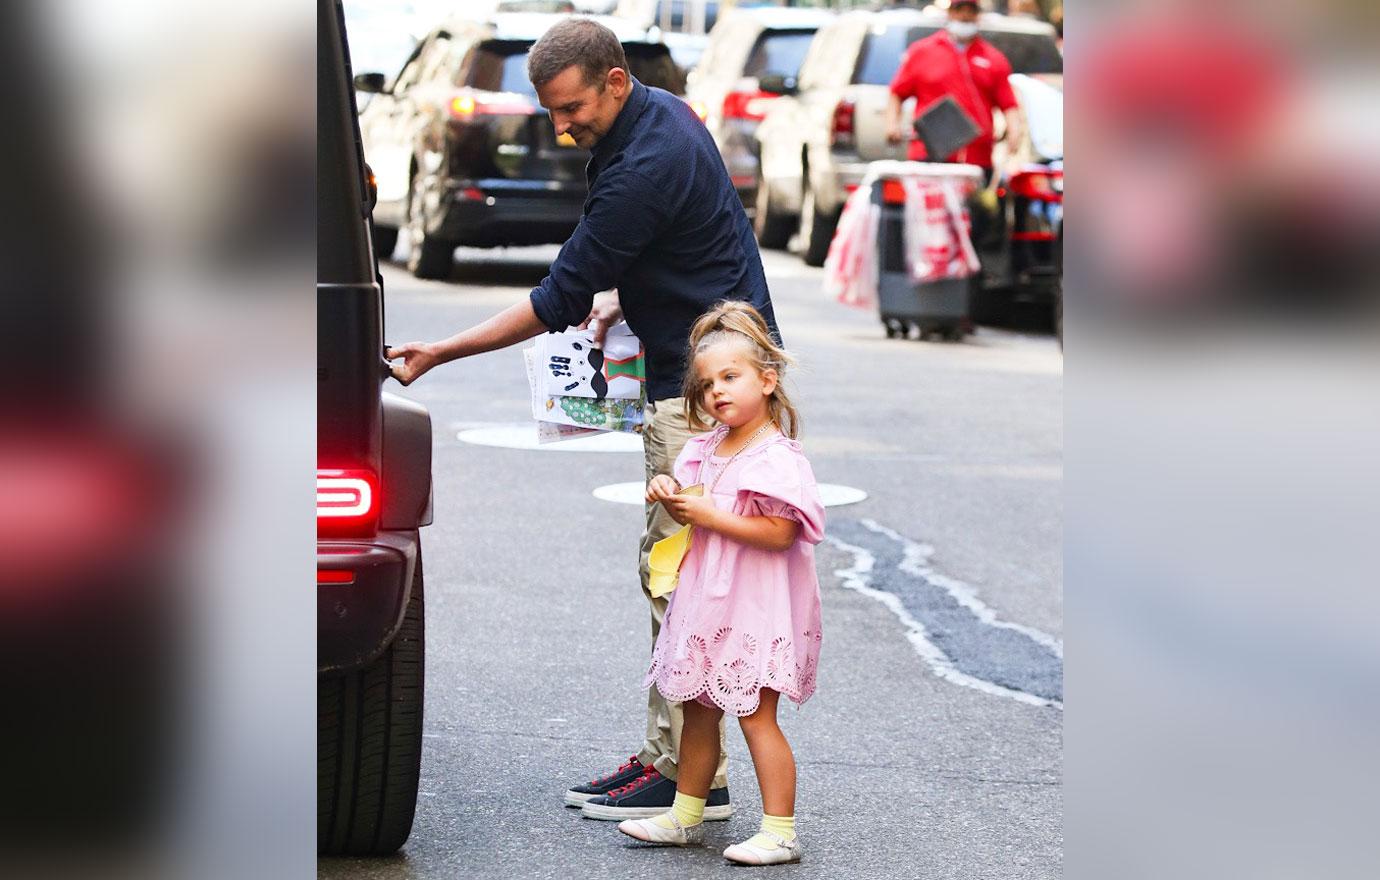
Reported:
(841, 126)
(747, 105)
(468, 107)
(347, 501)
(893, 192)
(1045, 186)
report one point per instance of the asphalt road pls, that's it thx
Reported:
(933, 745)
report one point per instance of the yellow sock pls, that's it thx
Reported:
(782, 825)
(687, 809)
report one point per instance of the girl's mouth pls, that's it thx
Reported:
(721, 404)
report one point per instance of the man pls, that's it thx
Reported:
(662, 224)
(959, 63)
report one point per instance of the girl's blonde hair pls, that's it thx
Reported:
(736, 322)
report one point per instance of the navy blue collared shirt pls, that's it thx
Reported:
(663, 224)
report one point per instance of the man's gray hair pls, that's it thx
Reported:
(580, 42)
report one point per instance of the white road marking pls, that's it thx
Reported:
(916, 561)
(858, 577)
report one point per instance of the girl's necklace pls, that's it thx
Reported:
(741, 450)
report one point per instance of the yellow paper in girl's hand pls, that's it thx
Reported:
(668, 553)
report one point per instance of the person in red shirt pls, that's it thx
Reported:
(956, 62)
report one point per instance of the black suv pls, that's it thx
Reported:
(464, 154)
(373, 493)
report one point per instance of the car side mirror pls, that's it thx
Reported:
(372, 83)
(777, 84)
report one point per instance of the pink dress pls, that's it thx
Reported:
(742, 618)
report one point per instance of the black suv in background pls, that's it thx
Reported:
(462, 151)
(373, 493)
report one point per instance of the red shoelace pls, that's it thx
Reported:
(632, 762)
(650, 774)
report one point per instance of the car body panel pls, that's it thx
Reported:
(746, 44)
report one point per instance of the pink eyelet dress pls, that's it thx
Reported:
(743, 618)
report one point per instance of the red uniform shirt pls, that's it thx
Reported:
(975, 77)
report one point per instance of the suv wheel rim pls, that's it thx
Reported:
(415, 212)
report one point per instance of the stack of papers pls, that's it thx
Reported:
(578, 389)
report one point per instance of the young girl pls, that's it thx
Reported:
(743, 626)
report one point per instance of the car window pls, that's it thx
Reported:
(778, 52)
(881, 53)
(1028, 53)
(654, 66)
(501, 66)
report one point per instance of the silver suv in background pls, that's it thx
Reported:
(753, 53)
(816, 141)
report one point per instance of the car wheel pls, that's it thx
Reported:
(369, 745)
(385, 241)
(773, 230)
(427, 256)
(816, 227)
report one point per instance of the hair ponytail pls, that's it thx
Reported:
(737, 322)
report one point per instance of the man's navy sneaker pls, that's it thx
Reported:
(577, 795)
(650, 794)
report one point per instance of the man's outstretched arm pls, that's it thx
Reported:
(514, 324)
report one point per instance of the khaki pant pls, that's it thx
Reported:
(663, 435)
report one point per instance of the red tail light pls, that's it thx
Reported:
(347, 501)
(747, 105)
(1045, 186)
(467, 106)
(841, 127)
(893, 192)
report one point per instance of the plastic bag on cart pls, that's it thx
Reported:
(850, 269)
(938, 244)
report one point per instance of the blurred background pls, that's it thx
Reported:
(1220, 493)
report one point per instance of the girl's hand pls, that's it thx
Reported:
(696, 510)
(660, 488)
(417, 357)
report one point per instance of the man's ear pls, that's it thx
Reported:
(618, 81)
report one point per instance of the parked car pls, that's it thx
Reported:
(373, 495)
(749, 49)
(462, 151)
(1022, 264)
(816, 140)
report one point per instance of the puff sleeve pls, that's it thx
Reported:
(780, 482)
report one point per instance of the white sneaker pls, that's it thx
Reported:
(749, 853)
(651, 831)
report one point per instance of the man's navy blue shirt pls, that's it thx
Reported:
(663, 224)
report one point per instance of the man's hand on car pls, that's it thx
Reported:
(894, 134)
(604, 314)
(417, 358)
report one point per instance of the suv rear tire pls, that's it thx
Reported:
(369, 745)
(427, 256)
(816, 229)
(773, 229)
